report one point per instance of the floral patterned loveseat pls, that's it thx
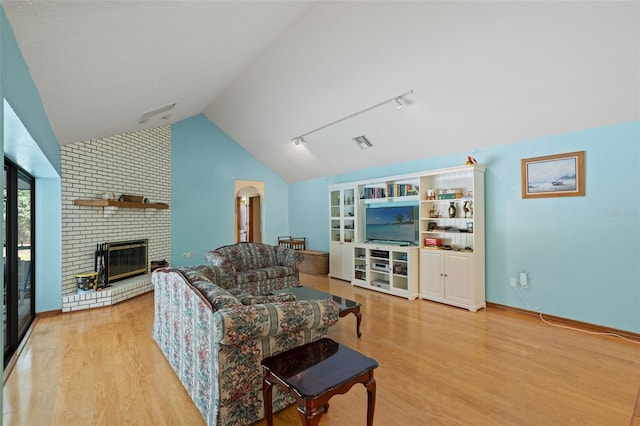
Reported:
(256, 267)
(215, 341)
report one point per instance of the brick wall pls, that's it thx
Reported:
(136, 163)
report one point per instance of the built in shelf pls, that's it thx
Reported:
(123, 204)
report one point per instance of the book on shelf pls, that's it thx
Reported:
(372, 192)
(401, 189)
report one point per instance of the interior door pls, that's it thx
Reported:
(254, 214)
(241, 221)
(248, 202)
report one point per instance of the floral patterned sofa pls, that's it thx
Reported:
(215, 341)
(258, 268)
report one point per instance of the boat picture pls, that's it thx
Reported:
(552, 176)
(557, 175)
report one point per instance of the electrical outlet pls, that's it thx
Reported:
(523, 280)
(514, 282)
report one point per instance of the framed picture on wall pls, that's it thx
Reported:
(559, 175)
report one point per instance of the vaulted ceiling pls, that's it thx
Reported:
(483, 73)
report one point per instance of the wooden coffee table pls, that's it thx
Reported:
(345, 306)
(313, 373)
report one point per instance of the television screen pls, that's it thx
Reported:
(393, 224)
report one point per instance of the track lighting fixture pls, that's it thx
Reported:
(397, 99)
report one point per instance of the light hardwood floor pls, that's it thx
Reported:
(439, 365)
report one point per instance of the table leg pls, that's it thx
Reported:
(358, 321)
(310, 416)
(267, 388)
(371, 398)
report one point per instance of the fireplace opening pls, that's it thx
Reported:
(121, 259)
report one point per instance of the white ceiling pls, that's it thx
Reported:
(484, 73)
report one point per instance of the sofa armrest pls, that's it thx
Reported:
(200, 281)
(213, 274)
(288, 257)
(216, 259)
(223, 268)
(239, 323)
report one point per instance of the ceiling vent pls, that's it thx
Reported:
(363, 142)
(144, 118)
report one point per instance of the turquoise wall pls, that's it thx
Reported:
(309, 212)
(205, 163)
(581, 253)
(31, 143)
(48, 244)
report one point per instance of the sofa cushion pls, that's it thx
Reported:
(261, 275)
(249, 299)
(249, 256)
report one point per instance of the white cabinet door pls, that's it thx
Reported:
(341, 260)
(335, 259)
(347, 262)
(457, 287)
(431, 275)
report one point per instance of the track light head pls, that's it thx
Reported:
(399, 103)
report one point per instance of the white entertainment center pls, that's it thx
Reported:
(413, 235)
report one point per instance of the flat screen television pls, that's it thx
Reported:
(394, 224)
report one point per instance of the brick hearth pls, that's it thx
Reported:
(122, 290)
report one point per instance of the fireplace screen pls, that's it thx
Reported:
(122, 259)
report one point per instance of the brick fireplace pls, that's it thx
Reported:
(136, 163)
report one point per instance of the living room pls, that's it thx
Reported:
(580, 253)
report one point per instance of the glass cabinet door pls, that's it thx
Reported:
(335, 207)
(335, 204)
(342, 215)
(348, 215)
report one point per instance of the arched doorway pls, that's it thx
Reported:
(249, 200)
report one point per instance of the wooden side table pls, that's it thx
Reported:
(313, 373)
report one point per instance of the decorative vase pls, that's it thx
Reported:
(452, 210)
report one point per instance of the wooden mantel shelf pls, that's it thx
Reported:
(124, 204)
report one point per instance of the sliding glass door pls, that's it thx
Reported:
(19, 259)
